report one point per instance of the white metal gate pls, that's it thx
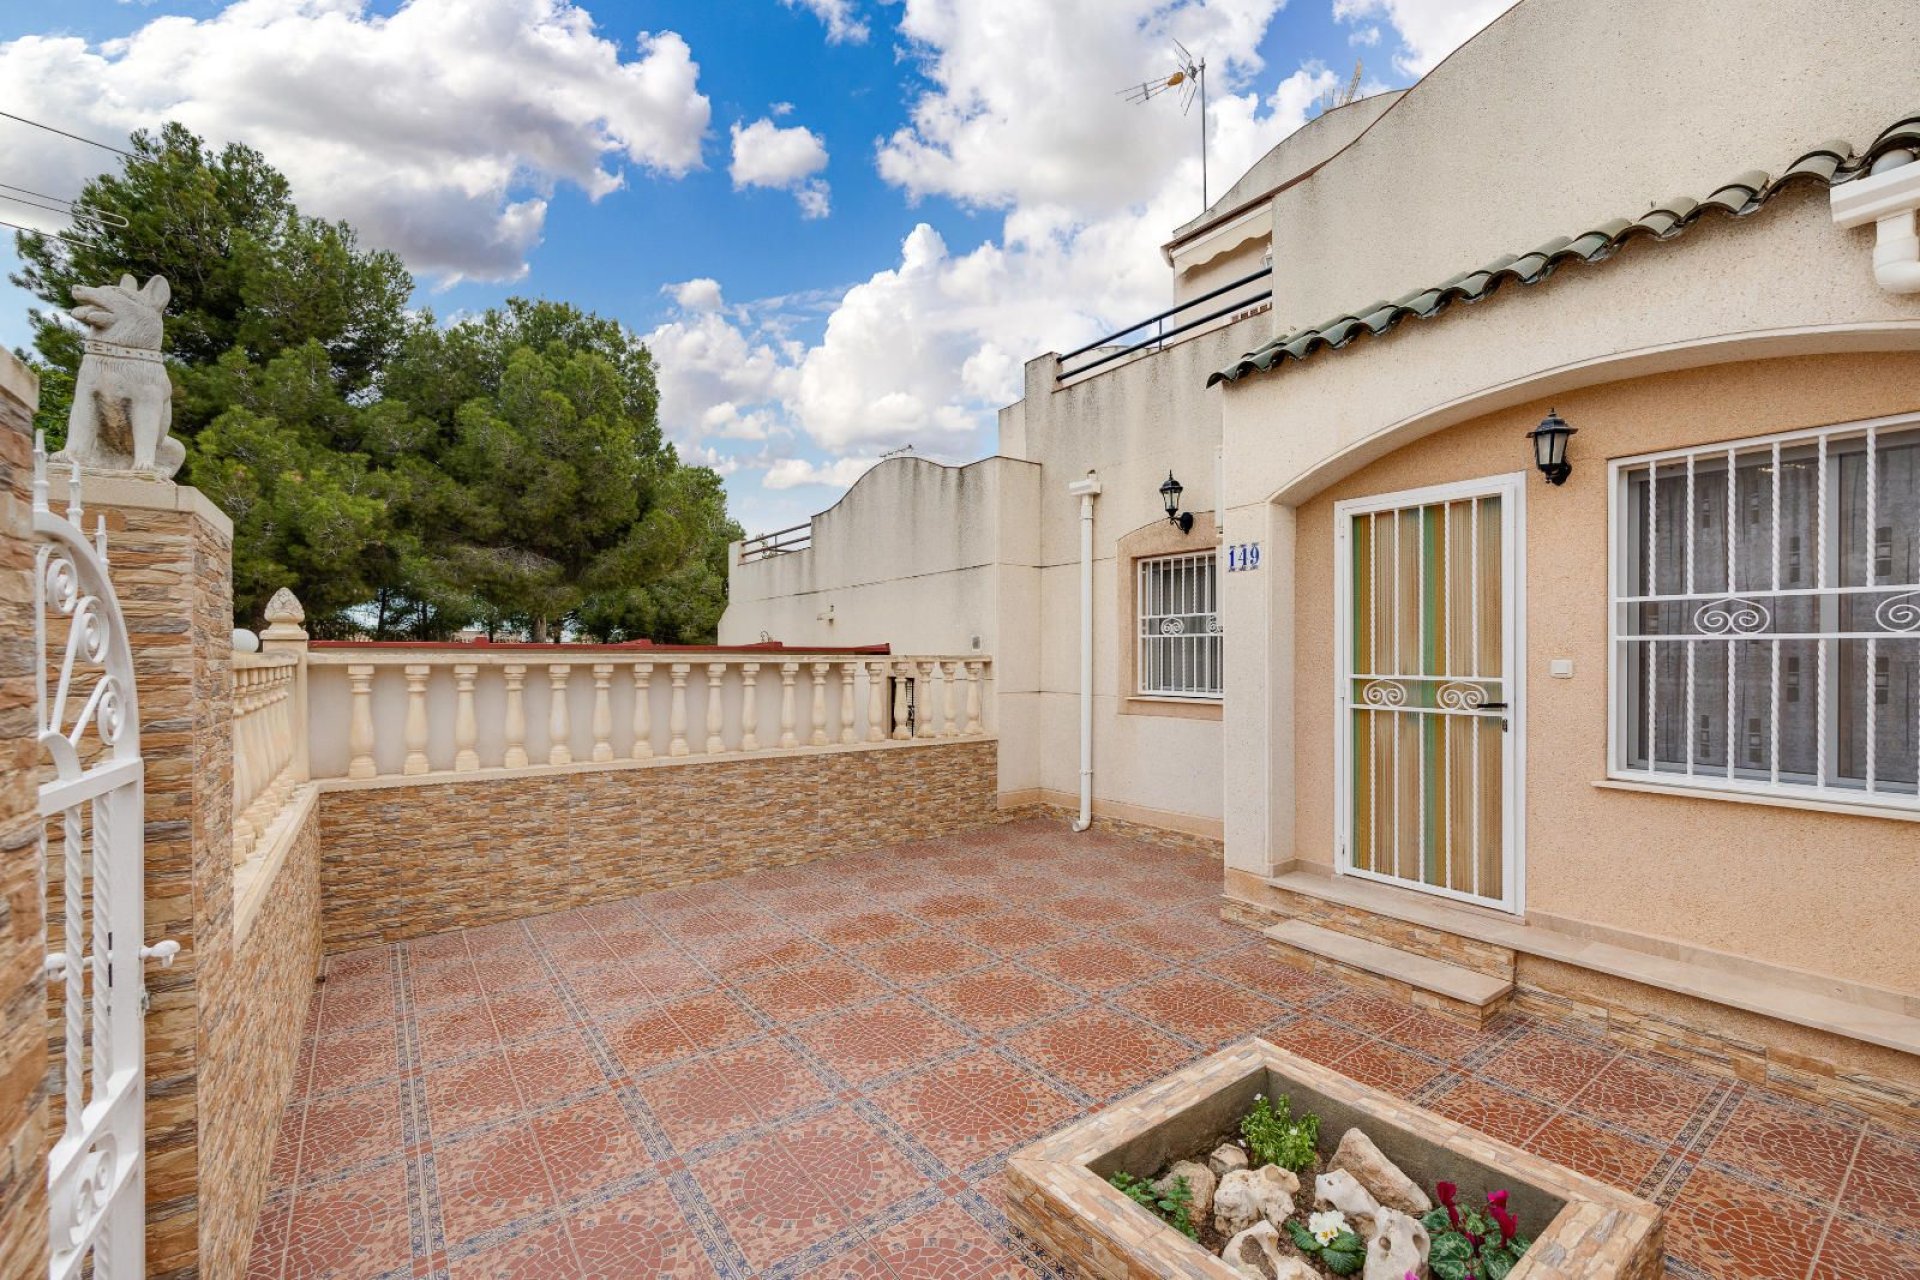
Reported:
(89, 725)
(1428, 632)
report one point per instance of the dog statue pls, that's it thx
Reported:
(123, 400)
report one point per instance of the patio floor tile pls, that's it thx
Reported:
(820, 1070)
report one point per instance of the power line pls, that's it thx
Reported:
(104, 146)
(57, 235)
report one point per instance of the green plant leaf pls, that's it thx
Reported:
(1436, 1222)
(1495, 1263)
(1447, 1268)
(1302, 1237)
(1451, 1247)
(1345, 1254)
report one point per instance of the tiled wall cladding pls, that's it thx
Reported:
(23, 1025)
(402, 861)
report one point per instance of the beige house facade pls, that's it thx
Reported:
(1639, 748)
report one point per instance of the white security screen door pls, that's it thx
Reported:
(1428, 697)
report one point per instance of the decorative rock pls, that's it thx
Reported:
(1200, 1181)
(1398, 1248)
(1256, 1252)
(1380, 1176)
(1342, 1191)
(1226, 1158)
(1246, 1196)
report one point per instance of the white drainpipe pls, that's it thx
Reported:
(1887, 198)
(1086, 490)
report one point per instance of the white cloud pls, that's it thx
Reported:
(1429, 30)
(705, 360)
(838, 15)
(701, 294)
(766, 155)
(790, 473)
(439, 130)
(1365, 37)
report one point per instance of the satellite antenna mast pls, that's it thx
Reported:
(1189, 76)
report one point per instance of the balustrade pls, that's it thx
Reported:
(380, 711)
(264, 743)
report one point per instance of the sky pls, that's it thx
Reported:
(842, 226)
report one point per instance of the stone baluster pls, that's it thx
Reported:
(847, 672)
(360, 722)
(876, 702)
(416, 761)
(677, 714)
(716, 677)
(975, 675)
(923, 703)
(949, 702)
(602, 711)
(515, 729)
(749, 706)
(643, 711)
(559, 715)
(902, 690)
(284, 634)
(818, 738)
(787, 672)
(466, 726)
(243, 832)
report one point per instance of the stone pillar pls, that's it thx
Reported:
(23, 988)
(170, 553)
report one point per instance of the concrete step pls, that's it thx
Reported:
(1446, 988)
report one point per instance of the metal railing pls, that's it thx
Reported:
(1159, 322)
(778, 543)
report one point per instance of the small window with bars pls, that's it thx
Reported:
(1178, 601)
(1781, 653)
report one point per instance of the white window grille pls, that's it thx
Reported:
(1179, 606)
(1779, 653)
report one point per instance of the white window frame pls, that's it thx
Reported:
(1200, 653)
(1818, 688)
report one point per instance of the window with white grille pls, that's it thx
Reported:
(1179, 606)
(1766, 615)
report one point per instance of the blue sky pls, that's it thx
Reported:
(922, 193)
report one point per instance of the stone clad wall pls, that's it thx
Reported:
(253, 1010)
(401, 861)
(23, 1018)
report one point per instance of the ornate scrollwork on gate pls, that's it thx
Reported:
(1457, 696)
(1899, 613)
(1173, 626)
(1383, 693)
(1732, 616)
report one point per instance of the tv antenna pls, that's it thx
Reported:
(1190, 77)
(1335, 98)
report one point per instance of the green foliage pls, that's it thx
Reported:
(1455, 1256)
(402, 478)
(1174, 1205)
(1275, 1136)
(1343, 1255)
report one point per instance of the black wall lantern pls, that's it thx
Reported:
(1170, 497)
(1550, 447)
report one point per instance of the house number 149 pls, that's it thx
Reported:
(1242, 556)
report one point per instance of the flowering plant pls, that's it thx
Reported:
(1469, 1244)
(1327, 1236)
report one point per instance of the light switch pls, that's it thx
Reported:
(1560, 668)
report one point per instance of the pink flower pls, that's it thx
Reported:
(1446, 1192)
(1497, 1198)
(1508, 1223)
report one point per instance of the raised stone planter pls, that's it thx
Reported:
(1058, 1192)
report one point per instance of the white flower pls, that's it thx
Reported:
(1326, 1225)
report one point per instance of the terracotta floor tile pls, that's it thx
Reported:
(1885, 1185)
(588, 1145)
(1385, 1067)
(489, 1180)
(1855, 1250)
(1495, 1111)
(1734, 1230)
(455, 1031)
(283, 1166)
(923, 958)
(642, 1233)
(1585, 1147)
(1254, 967)
(1549, 1065)
(876, 1040)
(444, 985)
(350, 1004)
(1783, 1143)
(621, 988)
(1364, 1011)
(867, 927)
(1646, 1097)
(770, 1207)
(943, 1243)
(1094, 964)
(1100, 1052)
(270, 1239)
(537, 1252)
(527, 1013)
(346, 965)
(647, 1038)
(348, 1059)
(805, 990)
(742, 956)
(1161, 938)
(1011, 931)
(975, 1107)
(679, 1027)
(345, 1130)
(471, 1092)
(999, 998)
(1316, 1038)
(553, 1068)
(1440, 1037)
(1205, 1010)
(352, 1227)
(729, 1092)
(946, 907)
(845, 1153)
